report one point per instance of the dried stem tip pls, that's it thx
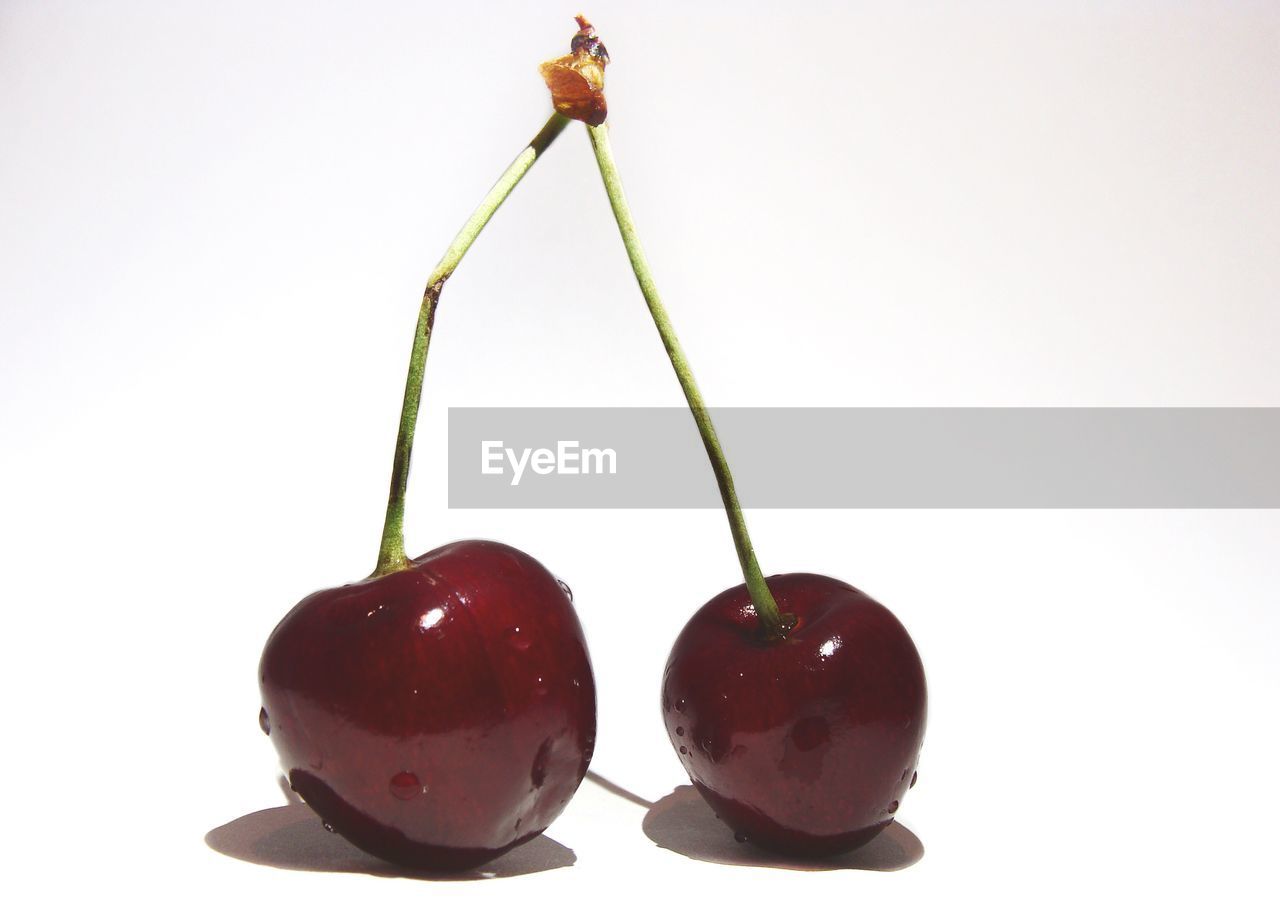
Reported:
(576, 80)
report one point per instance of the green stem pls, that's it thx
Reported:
(391, 553)
(766, 607)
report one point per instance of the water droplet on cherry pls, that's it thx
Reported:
(680, 731)
(893, 807)
(538, 774)
(264, 721)
(406, 786)
(518, 640)
(914, 776)
(328, 827)
(683, 750)
(739, 837)
(568, 592)
(810, 733)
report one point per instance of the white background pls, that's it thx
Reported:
(215, 222)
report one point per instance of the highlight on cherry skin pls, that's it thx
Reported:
(439, 715)
(804, 744)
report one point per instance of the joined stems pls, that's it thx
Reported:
(391, 553)
(765, 605)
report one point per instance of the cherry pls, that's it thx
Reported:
(441, 711)
(804, 744)
(795, 703)
(439, 715)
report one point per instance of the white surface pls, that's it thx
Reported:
(216, 223)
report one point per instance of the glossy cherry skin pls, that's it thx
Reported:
(803, 745)
(436, 716)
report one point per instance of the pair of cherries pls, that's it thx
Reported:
(442, 714)
(443, 710)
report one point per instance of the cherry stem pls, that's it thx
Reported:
(765, 605)
(391, 553)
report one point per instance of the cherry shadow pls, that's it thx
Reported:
(293, 838)
(683, 823)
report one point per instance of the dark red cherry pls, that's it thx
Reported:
(439, 715)
(806, 744)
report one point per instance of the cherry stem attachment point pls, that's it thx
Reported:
(391, 553)
(766, 607)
